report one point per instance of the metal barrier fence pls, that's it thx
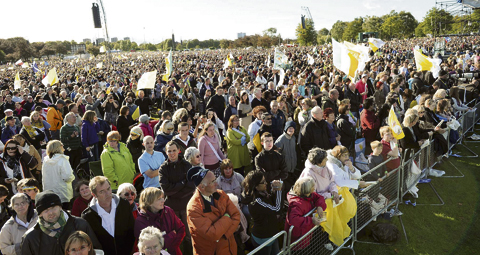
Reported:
(271, 241)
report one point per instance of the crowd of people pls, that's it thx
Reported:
(213, 160)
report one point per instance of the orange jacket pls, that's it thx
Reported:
(212, 231)
(54, 118)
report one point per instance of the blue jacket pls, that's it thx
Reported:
(89, 133)
(7, 133)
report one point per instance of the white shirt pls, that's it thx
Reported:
(108, 219)
(20, 222)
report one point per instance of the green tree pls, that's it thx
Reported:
(307, 36)
(94, 50)
(60, 48)
(225, 44)
(419, 30)
(352, 30)
(179, 47)
(270, 31)
(37, 46)
(372, 24)
(49, 49)
(323, 31)
(437, 22)
(323, 39)
(338, 29)
(2, 56)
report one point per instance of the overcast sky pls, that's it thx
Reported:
(52, 20)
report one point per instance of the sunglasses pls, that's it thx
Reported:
(198, 156)
(129, 194)
(11, 148)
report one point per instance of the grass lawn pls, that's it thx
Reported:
(449, 229)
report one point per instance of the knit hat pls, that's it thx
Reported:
(289, 124)
(45, 200)
(196, 174)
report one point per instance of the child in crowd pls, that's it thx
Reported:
(374, 160)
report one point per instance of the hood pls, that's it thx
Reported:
(54, 160)
(288, 125)
(166, 136)
(93, 203)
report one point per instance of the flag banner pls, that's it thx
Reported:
(100, 65)
(102, 49)
(311, 61)
(425, 63)
(147, 81)
(168, 66)
(25, 65)
(136, 113)
(18, 83)
(375, 43)
(280, 60)
(394, 125)
(228, 62)
(51, 78)
(35, 67)
(19, 62)
(282, 77)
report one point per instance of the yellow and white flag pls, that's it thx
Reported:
(136, 113)
(51, 77)
(168, 66)
(425, 63)
(102, 49)
(375, 43)
(346, 60)
(147, 81)
(25, 65)
(18, 83)
(100, 65)
(394, 125)
(228, 61)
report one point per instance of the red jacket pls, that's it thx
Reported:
(165, 221)
(392, 164)
(370, 126)
(297, 208)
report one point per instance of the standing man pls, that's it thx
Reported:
(217, 102)
(212, 217)
(10, 129)
(361, 86)
(93, 106)
(111, 218)
(149, 163)
(331, 101)
(278, 119)
(270, 162)
(144, 103)
(55, 119)
(259, 100)
(173, 180)
(315, 133)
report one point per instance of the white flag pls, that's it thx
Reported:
(282, 77)
(102, 49)
(311, 61)
(100, 65)
(19, 62)
(147, 81)
(280, 60)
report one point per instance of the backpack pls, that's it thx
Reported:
(385, 233)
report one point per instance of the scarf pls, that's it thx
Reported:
(53, 229)
(14, 164)
(38, 124)
(30, 130)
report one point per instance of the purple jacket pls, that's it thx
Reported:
(89, 133)
(166, 221)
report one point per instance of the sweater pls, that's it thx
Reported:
(208, 155)
(68, 141)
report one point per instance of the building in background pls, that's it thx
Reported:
(240, 35)
(113, 39)
(126, 38)
(87, 40)
(79, 48)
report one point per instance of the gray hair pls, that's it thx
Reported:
(125, 187)
(147, 234)
(303, 186)
(316, 155)
(190, 152)
(67, 116)
(18, 195)
(25, 118)
(144, 118)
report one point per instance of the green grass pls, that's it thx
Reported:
(449, 229)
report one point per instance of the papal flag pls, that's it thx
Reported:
(168, 66)
(147, 81)
(100, 65)
(18, 83)
(346, 60)
(51, 78)
(425, 63)
(311, 61)
(228, 61)
(394, 125)
(375, 43)
(280, 59)
(102, 49)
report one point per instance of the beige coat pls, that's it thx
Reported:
(11, 235)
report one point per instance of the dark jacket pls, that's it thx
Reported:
(135, 147)
(278, 123)
(229, 111)
(272, 164)
(122, 126)
(410, 141)
(314, 134)
(346, 130)
(355, 99)
(255, 102)
(27, 161)
(173, 180)
(182, 147)
(124, 239)
(38, 138)
(7, 133)
(36, 241)
(144, 105)
(329, 103)
(217, 103)
(160, 141)
(264, 210)
(165, 220)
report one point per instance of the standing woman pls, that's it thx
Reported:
(57, 173)
(90, 131)
(237, 140)
(30, 149)
(110, 106)
(245, 110)
(145, 126)
(164, 136)
(125, 123)
(210, 149)
(15, 166)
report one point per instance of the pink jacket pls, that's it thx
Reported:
(147, 130)
(208, 156)
(324, 179)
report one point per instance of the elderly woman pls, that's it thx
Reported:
(301, 200)
(192, 156)
(237, 139)
(117, 163)
(82, 201)
(135, 146)
(30, 149)
(79, 243)
(24, 217)
(264, 208)
(15, 165)
(125, 123)
(305, 114)
(439, 95)
(230, 181)
(33, 135)
(164, 136)
(315, 167)
(154, 213)
(144, 125)
(150, 242)
(345, 174)
(210, 149)
(57, 173)
(128, 192)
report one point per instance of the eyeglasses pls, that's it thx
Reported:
(129, 194)
(198, 156)
(152, 248)
(11, 148)
(82, 248)
(22, 204)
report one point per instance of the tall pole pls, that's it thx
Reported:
(100, 2)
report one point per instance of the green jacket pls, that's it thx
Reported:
(238, 154)
(117, 166)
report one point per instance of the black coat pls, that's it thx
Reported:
(122, 243)
(27, 161)
(144, 105)
(122, 126)
(314, 134)
(217, 103)
(355, 99)
(410, 141)
(35, 241)
(38, 138)
(228, 113)
(173, 179)
(346, 130)
(255, 102)
(272, 164)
